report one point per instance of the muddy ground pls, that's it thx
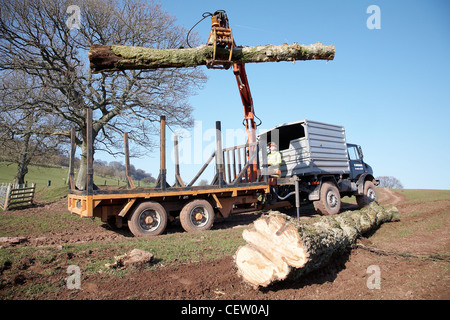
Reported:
(412, 257)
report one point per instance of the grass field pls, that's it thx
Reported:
(57, 176)
(417, 195)
(170, 248)
(71, 240)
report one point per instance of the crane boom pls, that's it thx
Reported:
(222, 36)
(247, 101)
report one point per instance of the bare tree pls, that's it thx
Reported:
(35, 38)
(22, 143)
(389, 182)
(24, 126)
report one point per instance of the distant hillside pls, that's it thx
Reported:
(56, 175)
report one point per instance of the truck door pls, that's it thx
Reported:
(356, 163)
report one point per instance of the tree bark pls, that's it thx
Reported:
(24, 160)
(115, 57)
(280, 247)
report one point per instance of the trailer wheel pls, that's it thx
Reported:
(369, 195)
(330, 200)
(197, 215)
(148, 219)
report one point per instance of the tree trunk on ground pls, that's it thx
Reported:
(115, 57)
(280, 247)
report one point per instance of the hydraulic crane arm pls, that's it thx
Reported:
(222, 36)
(247, 101)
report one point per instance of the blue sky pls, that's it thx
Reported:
(389, 87)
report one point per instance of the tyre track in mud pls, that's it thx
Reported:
(388, 197)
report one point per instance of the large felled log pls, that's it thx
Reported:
(280, 247)
(115, 57)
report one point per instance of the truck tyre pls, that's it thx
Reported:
(330, 200)
(197, 215)
(369, 195)
(148, 219)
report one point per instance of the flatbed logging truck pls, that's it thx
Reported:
(317, 166)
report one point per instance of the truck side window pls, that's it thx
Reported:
(353, 153)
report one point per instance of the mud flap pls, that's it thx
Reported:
(315, 193)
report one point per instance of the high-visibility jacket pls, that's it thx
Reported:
(274, 162)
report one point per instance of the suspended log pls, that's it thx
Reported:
(280, 247)
(115, 57)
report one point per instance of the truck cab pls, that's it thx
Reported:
(316, 156)
(357, 165)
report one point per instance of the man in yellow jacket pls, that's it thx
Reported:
(274, 160)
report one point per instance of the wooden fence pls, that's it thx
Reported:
(15, 196)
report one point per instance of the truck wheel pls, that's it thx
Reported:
(330, 200)
(197, 215)
(148, 219)
(369, 195)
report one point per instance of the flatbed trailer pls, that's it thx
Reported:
(237, 187)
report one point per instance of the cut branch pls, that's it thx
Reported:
(115, 57)
(280, 247)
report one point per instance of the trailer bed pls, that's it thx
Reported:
(240, 183)
(103, 203)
